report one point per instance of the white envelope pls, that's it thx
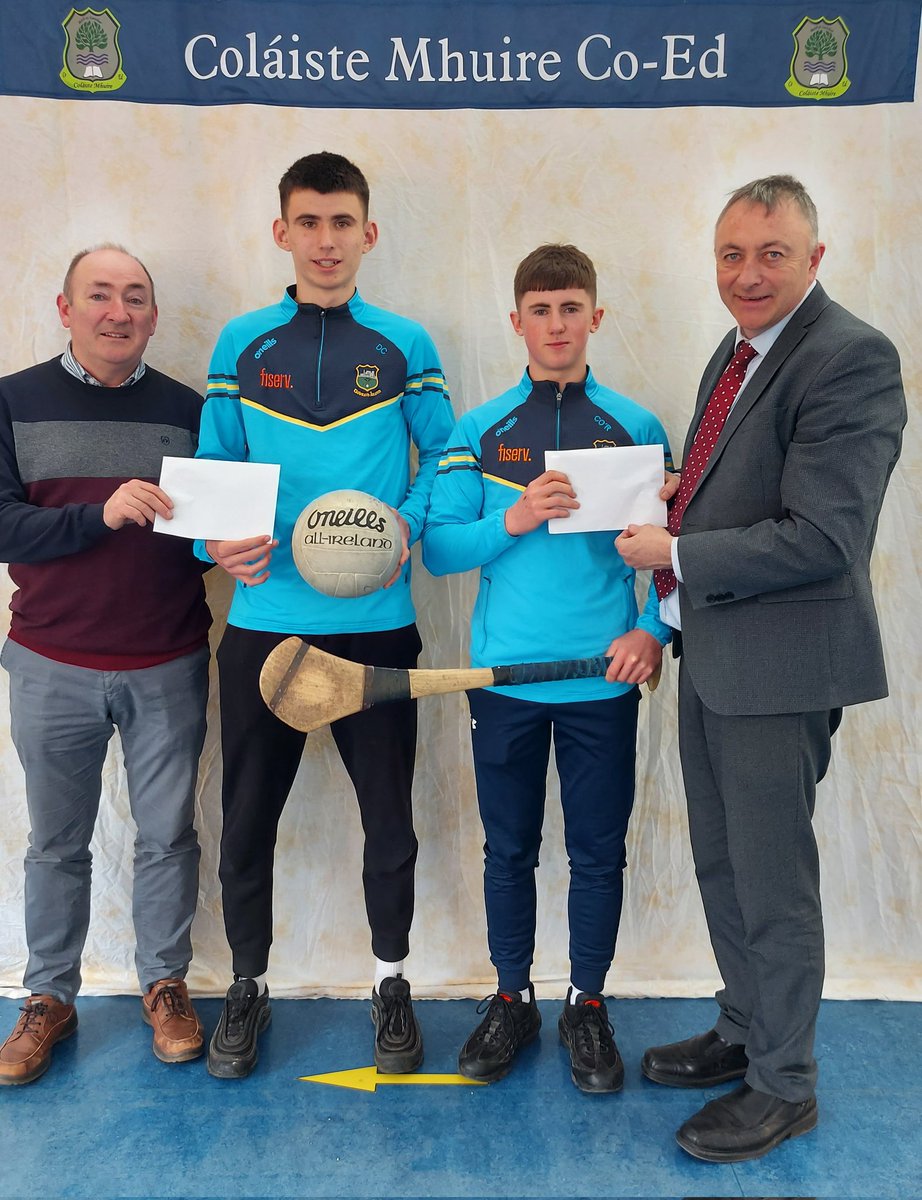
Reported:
(224, 501)
(616, 486)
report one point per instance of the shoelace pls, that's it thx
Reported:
(170, 996)
(237, 1008)
(499, 1016)
(396, 1016)
(591, 1032)
(33, 1013)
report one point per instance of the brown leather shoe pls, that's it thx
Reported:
(26, 1053)
(178, 1034)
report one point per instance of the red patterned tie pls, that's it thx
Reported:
(712, 422)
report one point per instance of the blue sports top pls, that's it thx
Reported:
(334, 396)
(542, 596)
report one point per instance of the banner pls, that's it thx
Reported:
(469, 54)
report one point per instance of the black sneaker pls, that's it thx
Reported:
(398, 1042)
(509, 1023)
(595, 1064)
(232, 1053)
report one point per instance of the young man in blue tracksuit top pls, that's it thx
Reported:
(334, 391)
(541, 598)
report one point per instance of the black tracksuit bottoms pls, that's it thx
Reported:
(261, 755)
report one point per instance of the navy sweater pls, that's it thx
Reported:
(90, 596)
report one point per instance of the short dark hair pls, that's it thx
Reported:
(770, 192)
(552, 267)
(67, 286)
(323, 172)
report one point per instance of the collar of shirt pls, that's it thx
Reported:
(70, 364)
(764, 341)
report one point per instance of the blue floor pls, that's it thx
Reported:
(108, 1120)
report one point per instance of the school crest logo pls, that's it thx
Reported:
(92, 58)
(600, 442)
(819, 67)
(366, 380)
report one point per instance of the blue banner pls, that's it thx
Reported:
(468, 54)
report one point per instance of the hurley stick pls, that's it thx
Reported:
(307, 688)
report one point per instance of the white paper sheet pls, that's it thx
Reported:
(221, 500)
(616, 486)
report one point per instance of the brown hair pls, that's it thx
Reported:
(553, 267)
(324, 172)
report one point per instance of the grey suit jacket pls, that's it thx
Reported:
(777, 610)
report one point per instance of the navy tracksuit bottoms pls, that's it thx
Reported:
(594, 745)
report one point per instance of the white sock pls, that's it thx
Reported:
(386, 970)
(572, 993)
(260, 981)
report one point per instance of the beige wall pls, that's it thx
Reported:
(460, 197)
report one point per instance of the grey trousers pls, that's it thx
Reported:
(750, 784)
(62, 718)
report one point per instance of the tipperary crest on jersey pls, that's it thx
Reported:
(366, 380)
(92, 58)
(819, 66)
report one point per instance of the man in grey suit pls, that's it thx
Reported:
(770, 534)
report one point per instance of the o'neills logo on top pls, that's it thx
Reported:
(358, 518)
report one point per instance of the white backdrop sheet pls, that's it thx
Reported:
(460, 197)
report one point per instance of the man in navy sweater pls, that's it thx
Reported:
(109, 629)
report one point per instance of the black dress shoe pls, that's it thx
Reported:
(745, 1124)
(696, 1062)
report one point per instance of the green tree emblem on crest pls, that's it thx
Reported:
(91, 36)
(92, 58)
(819, 67)
(821, 44)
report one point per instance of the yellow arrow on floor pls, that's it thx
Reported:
(366, 1079)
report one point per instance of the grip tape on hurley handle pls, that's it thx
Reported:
(568, 668)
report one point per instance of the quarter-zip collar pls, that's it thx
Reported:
(291, 305)
(547, 391)
(324, 318)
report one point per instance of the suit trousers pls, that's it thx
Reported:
(62, 718)
(594, 747)
(261, 757)
(750, 784)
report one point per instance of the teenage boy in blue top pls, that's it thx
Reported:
(335, 391)
(545, 597)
